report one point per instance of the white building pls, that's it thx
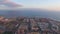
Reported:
(43, 25)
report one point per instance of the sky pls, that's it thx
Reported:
(45, 4)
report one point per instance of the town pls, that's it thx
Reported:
(27, 25)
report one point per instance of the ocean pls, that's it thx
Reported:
(31, 13)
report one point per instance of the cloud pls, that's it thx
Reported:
(8, 3)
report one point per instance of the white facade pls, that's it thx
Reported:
(43, 26)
